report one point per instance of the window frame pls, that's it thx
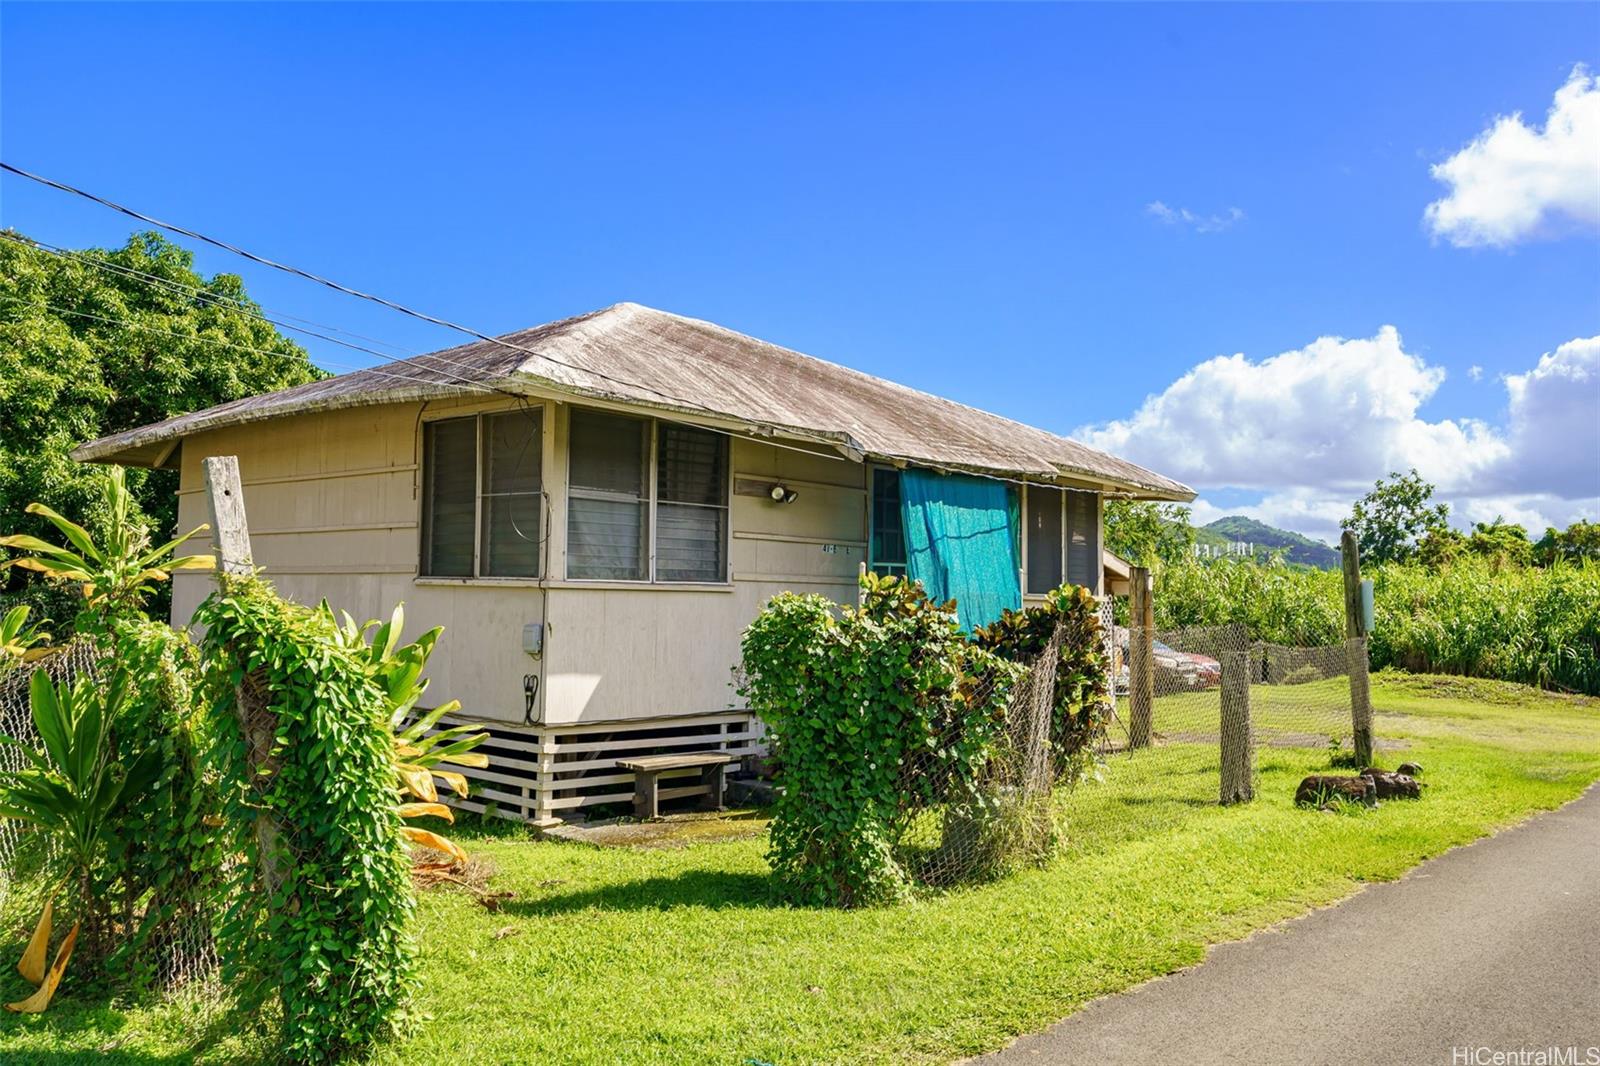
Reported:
(901, 568)
(1061, 493)
(425, 497)
(652, 473)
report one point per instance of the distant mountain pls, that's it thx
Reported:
(1265, 539)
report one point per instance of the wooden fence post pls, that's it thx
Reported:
(230, 537)
(1141, 656)
(1238, 756)
(1355, 632)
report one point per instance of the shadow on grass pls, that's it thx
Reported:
(716, 890)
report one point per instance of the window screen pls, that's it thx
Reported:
(1083, 540)
(1044, 539)
(606, 498)
(887, 534)
(451, 461)
(691, 504)
(512, 503)
(484, 505)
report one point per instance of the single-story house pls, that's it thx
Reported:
(596, 508)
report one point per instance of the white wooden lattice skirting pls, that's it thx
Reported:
(542, 773)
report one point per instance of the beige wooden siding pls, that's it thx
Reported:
(334, 503)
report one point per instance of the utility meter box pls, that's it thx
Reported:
(533, 639)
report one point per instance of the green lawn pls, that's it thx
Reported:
(617, 955)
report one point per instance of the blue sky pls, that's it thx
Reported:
(956, 197)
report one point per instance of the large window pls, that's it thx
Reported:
(607, 499)
(634, 485)
(691, 504)
(483, 499)
(1063, 539)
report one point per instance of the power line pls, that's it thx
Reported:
(189, 290)
(435, 357)
(206, 294)
(221, 343)
(336, 286)
(214, 300)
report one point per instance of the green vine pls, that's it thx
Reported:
(330, 939)
(874, 715)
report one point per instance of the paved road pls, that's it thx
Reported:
(1493, 945)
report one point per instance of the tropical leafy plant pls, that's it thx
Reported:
(116, 573)
(19, 641)
(74, 788)
(418, 755)
(164, 866)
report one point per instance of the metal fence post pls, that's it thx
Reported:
(1238, 754)
(1355, 632)
(1141, 656)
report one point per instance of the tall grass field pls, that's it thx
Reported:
(1535, 625)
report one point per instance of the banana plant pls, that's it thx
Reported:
(115, 572)
(419, 751)
(71, 789)
(19, 641)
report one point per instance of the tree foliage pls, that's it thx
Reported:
(1581, 540)
(1390, 520)
(90, 345)
(1149, 534)
(1500, 542)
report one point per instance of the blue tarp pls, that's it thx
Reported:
(962, 542)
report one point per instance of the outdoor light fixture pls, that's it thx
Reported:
(782, 494)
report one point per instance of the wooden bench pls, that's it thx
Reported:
(647, 793)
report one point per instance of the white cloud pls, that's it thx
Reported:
(1554, 424)
(1475, 372)
(1327, 414)
(1311, 429)
(1515, 181)
(1182, 216)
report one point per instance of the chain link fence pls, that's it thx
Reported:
(177, 949)
(25, 855)
(1215, 717)
(965, 831)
